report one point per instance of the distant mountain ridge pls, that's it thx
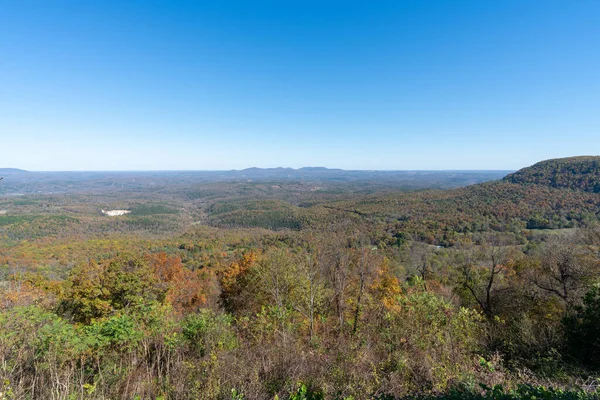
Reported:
(11, 171)
(336, 174)
(23, 182)
(575, 173)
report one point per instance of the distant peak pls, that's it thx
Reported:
(256, 169)
(313, 169)
(11, 170)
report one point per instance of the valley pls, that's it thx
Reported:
(478, 265)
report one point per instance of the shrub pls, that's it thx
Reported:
(206, 331)
(429, 342)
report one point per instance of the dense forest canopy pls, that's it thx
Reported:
(301, 288)
(577, 173)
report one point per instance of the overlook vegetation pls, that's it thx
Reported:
(303, 288)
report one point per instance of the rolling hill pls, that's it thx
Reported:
(576, 173)
(552, 194)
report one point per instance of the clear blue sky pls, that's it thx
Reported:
(167, 84)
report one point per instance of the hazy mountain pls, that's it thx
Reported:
(7, 171)
(76, 181)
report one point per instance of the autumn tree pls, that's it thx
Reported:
(97, 288)
(235, 281)
(184, 289)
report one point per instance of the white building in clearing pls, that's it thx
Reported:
(115, 213)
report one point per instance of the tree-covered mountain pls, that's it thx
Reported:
(577, 173)
(552, 194)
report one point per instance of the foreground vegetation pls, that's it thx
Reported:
(484, 292)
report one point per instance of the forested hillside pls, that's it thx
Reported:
(577, 173)
(279, 289)
(437, 217)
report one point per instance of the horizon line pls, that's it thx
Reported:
(261, 168)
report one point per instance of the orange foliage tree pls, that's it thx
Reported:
(234, 281)
(185, 289)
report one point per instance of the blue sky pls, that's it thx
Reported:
(135, 84)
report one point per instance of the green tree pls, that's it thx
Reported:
(582, 328)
